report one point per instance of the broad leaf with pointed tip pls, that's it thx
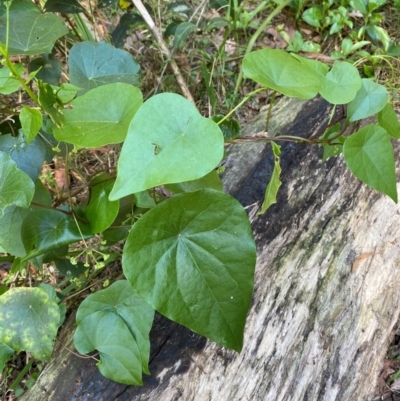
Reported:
(192, 258)
(389, 121)
(96, 64)
(168, 142)
(369, 155)
(101, 116)
(278, 70)
(116, 322)
(31, 32)
(29, 321)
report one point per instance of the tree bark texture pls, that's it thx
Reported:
(326, 297)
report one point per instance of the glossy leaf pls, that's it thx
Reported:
(64, 6)
(275, 181)
(168, 142)
(31, 32)
(389, 121)
(341, 84)
(44, 230)
(29, 158)
(101, 116)
(5, 354)
(95, 64)
(278, 70)
(211, 180)
(192, 258)
(116, 322)
(16, 188)
(100, 211)
(370, 99)
(369, 155)
(31, 122)
(29, 321)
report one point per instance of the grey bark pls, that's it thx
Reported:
(326, 297)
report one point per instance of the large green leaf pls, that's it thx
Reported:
(370, 99)
(116, 322)
(341, 84)
(95, 64)
(369, 155)
(168, 142)
(100, 211)
(192, 258)
(16, 188)
(29, 321)
(388, 120)
(44, 230)
(101, 116)
(31, 32)
(29, 158)
(278, 70)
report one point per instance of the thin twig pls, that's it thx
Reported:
(164, 48)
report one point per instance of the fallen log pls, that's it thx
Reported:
(326, 297)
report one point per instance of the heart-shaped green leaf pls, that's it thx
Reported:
(116, 322)
(168, 142)
(341, 84)
(370, 99)
(101, 116)
(369, 155)
(29, 321)
(192, 258)
(278, 70)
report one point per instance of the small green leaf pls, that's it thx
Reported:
(144, 200)
(5, 354)
(50, 104)
(126, 24)
(168, 142)
(388, 120)
(95, 64)
(369, 155)
(29, 321)
(31, 122)
(8, 83)
(182, 31)
(341, 84)
(101, 116)
(229, 127)
(116, 322)
(16, 188)
(100, 211)
(211, 180)
(274, 183)
(370, 99)
(313, 16)
(278, 70)
(63, 6)
(192, 258)
(49, 69)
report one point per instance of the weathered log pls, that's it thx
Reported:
(327, 292)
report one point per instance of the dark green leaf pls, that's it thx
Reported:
(95, 64)
(192, 258)
(211, 180)
(101, 116)
(389, 121)
(182, 31)
(31, 32)
(65, 267)
(369, 155)
(29, 321)
(116, 322)
(229, 127)
(168, 142)
(50, 69)
(127, 22)
(31, 122)
(64, 6)
(370, 99)
(217, 23)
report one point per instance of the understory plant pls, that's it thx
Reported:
(189, 252)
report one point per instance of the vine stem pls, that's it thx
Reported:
(254, 38)
(22, 374)
(164, 48)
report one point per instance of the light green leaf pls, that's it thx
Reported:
(31, 122)
(369, 155)
(278, 70)
(370, 99)
(101, 116)
(389, 121)
(192, 258)
(31, 32)
(275, 181)
(5, 354)
(95, 64)
(211, 180)
(100, 211)
(29, 321)
(8, 83)
(341, 84)
(16, 188)
(168, 142)
(116, 322)
(183, 30)
(318, 67)
(44, 230)
(144, 200)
